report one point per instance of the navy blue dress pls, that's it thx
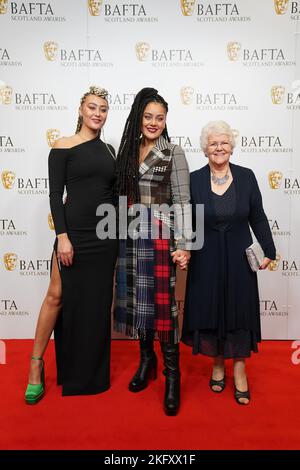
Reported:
(221, 315)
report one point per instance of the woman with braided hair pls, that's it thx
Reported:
(78, 302)
(152, 172)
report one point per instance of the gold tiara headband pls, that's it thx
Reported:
(95, 90)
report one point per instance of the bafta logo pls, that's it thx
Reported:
(8, 179)
(187, 7)
(95, 7)
(6, 93)
(50, 50)
(52, 136)
(186, 94)
(233, 50)
(3, 7)
(50, 222)
(274, 265)
(142, 50)
(10, 261)
(275, 178)
(281, 6)
(236, 134)
(277, 94)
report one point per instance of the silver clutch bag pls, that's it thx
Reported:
(255, 256)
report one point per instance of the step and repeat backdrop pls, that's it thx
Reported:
(236, 61)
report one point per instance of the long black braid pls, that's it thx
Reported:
(128, 154)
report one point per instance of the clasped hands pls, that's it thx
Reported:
(65, 253)
(181, 258)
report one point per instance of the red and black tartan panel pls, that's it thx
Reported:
(162, 288)
(166, 324)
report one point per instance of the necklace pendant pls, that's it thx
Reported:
(219, 181)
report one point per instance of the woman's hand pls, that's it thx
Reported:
(181, 258)
(265, 263)
(65, 250)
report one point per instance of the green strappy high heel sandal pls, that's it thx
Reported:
(35, 392)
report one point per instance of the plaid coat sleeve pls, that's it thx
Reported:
(180, 188)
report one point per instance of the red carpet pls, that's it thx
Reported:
(120, 420)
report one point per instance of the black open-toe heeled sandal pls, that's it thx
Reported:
(218, 383)
(238, 395)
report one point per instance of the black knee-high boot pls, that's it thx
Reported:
(172, 373)
(147, 369)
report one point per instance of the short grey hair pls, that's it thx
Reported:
(216, 127)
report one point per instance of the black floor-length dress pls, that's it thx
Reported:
(82, 333)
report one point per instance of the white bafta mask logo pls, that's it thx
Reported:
(233, 50)
(10, 261)
(142, 51)
(6, 93)
(186, 94)
(281, 6)
(187, 7)
(8, 179)
(50, 50)
(236, 134)
(95, 7)
(295, 89)
(52, 136)
(275, 178)
(3, 7)
(277, 94)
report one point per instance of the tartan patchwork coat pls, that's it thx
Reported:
(145, 303)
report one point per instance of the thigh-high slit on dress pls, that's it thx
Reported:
(82, 332)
